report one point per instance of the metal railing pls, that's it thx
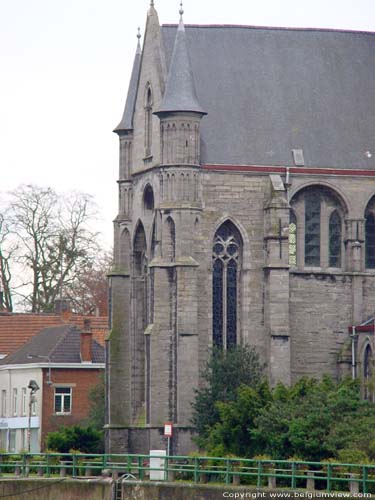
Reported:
(327, 476)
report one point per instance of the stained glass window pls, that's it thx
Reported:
(370, 240)
(225, 280)
(312, 229)
(335, 240)
(292, 239)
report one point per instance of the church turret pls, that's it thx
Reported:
(180, 112)
(125, 132)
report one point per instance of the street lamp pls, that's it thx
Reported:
(33, 386)
(32, 356)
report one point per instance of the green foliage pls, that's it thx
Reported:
(225, 372)
(83, 439)
(237, 413)
(97, 405)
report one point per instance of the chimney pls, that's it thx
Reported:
(86, 342)
(62, 306)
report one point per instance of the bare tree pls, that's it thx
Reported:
(89, 295)
(7, 252)
(55, 242)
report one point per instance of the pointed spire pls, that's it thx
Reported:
(127, 118)
(180, 93)
(152, 3)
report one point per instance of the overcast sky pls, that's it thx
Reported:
(65, 66)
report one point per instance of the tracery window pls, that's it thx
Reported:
(226, 268)
(335, 239)
(370, 240)
(292, 239)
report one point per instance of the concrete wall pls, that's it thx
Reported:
(56, 489)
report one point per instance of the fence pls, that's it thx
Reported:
(260, 473)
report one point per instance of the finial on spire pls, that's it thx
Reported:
(181, 11)
(139, 40)
(152, 3)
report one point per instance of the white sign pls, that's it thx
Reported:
(157, 464)
(168, 429)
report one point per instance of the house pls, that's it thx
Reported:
(44, 385)
(246, 215)
(18, 328)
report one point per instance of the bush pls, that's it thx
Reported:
(84, 439)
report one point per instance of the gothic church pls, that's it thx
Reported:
(246, 215)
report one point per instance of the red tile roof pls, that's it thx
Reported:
(18, 328)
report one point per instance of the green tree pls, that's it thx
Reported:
(225, 372)
(97, 405)
(313, 419)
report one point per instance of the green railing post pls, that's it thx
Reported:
(47, 466)
(74, 471)
(329, 476)
(227, 472)
(166, 468)
(294, 479)
(129, 461)
(259, 478)
(140, 467)
(196, 467)
(364, 479)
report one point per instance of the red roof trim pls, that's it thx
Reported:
(292, 170)
(362, 328)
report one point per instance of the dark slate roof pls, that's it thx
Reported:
(60, 343)
(270, 90)
(126, 122)
(180, 93)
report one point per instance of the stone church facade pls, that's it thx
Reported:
(246, 215)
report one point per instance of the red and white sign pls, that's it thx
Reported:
(168, 427)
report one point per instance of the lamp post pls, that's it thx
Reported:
(33, 386)
(33, 356)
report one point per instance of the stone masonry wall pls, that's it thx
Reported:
(320, 313)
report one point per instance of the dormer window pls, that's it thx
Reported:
(148, 121)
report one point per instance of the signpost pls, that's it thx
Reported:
(168, 431)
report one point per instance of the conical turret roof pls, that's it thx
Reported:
(180, 93)
(126, 122)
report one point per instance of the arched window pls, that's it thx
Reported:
(335, 239)
(320, 213)
(370, 240)
(148, 121)
(226, 267)
(148, 199)
(169, 240)
(140, 294)
(124, 257)
(367, 372)
(312, 229)
(140, 257)
(292, 239)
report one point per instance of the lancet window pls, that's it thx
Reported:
(226, 269)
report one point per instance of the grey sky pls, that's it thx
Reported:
(65, 66)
